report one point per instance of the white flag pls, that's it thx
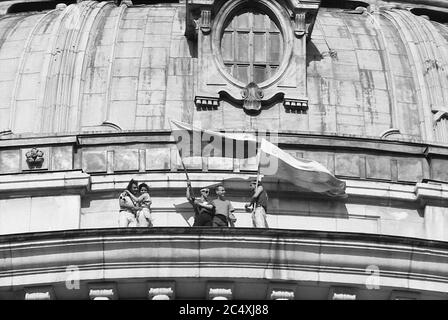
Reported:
(307, 174)
(196, 142)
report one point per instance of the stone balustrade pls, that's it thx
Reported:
(259, 263)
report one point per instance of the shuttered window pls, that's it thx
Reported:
(251, 46)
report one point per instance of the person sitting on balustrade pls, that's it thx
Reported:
(143, 201)
(259, 201)
(128, 207)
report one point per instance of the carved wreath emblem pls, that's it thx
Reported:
(34, 158)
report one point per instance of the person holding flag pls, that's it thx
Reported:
(272, 161)
(259, 203)
(203, 209)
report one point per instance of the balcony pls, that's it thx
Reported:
(249, 262)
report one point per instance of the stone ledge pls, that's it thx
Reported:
(36, 141)
(111, 254)
(240, 181)
(24, 183)
(305, 139)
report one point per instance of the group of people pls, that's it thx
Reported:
(135, 206)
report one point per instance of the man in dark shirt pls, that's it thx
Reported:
(223, 209)
(203, 208)
(259, 201)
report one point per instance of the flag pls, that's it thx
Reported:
(196, 142)
(303, 173)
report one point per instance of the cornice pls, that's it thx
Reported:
(168, 252)
(341, 142)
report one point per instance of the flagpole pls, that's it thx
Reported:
(258, 174)
(186, 174)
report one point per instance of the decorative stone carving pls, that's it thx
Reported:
(106, 291)
(281, 291)
(252, 95)
(344, 296)
(220, 294)
(206, 103)
(214, 82)
(340, 293)
(46, 293)
(295, 105)
(35, 158)
(441, 126)
(389, 132)
(220, 291)
(205, 24)
(300, 24)
(161, 290)
(101, 294)
(160, 293)
(282, 295)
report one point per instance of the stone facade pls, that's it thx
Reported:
(87, 94)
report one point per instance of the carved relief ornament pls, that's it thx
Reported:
(214, 82)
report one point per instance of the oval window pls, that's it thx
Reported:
(251, 46)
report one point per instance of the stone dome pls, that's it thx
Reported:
(96, 66)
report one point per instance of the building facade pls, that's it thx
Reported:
(87, 92)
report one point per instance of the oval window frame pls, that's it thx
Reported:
(275, 12)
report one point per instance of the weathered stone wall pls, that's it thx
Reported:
(394, 188)
(134, 68)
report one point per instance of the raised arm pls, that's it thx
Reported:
(190, 198)
(256, 194)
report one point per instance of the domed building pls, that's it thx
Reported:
(87, 93)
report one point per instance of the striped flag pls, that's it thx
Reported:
(303, 173)
(196, 142)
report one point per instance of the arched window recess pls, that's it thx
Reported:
(251, 52)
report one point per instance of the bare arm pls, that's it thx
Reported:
(256, 194)
(134, 198)
(125, 204)
(188, 194)
(145, 199)
(208, 206)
